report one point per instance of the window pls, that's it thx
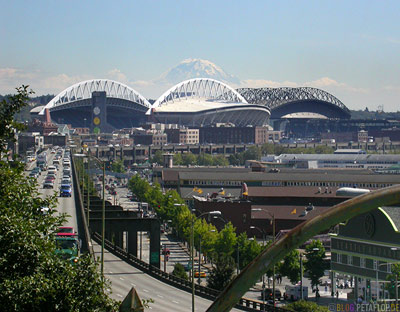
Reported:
(339, 258)
(362, 262)
(375, 265)
(350, 260)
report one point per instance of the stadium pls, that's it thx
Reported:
(206, 102)
(101, 105)
(104, 105)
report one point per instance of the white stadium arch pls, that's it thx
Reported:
(83, 90)
(200, 88)
(203, 102)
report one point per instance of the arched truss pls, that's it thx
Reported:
(83, 91)
(275, 97)
(200, 88)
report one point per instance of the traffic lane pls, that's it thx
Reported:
(166, 298)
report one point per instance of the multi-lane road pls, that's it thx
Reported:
(122, 275)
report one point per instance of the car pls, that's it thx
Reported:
(66, 181)
(48, 184)
(65, 190)
(268, 294)
(52, 168)
(109, 197)
(53, 171)
(44, 210)
(66, 231)
(33, 175)
(51, 175)
(202, 274)
(37, 170)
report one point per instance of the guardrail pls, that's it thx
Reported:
(202, 291)
(80, 213)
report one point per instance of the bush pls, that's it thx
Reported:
(179, 271)
(306, 306)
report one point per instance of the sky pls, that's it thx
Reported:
(348, 48)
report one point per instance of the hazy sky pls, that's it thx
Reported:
(348, 48)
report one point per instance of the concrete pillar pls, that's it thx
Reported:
(132, 243)
(118, 238)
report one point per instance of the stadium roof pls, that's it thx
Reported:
(83, 90)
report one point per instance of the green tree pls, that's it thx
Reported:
(32, 276)
(391, 287)
(139, 187)
(226, 240)
(248, 249)
(189, 159)
(8, 108)
(222, 271)
(315, 264)
(158, 157)
(178, 159)
(291, 266)
(118, 166)
(205, 159)
(253, 153)
(179, 271)
(306, 306)
(235, 159)
(220, 160)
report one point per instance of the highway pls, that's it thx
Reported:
(122, 275)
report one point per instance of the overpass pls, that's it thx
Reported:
(138, 154)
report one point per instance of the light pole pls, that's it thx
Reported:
(273, 241)
(301, 277)
(199, 279)
(88, 194)
(263, 276)
(211, 213)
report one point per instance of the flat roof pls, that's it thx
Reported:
(190, 104)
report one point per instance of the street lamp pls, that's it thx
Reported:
(211, 213)
(273, 241)
(263, 276)
(103, 216)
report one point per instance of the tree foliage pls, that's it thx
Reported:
(32, 276)
(118, 166)
(315, 264)
(179, 271)
(291, 266)
(306, 306)
(222, 271)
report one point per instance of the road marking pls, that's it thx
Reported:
(121, 278)
(110, 272)
(175, 301)
(119, 295)
(145, 290)
(133, 285)
(160, 296)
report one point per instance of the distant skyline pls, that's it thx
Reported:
(349, 48)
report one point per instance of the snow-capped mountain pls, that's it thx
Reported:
(196, 68)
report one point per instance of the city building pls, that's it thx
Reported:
(346, 159)
(365, 248)
(183, 136)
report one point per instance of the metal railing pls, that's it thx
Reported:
(245, 304)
